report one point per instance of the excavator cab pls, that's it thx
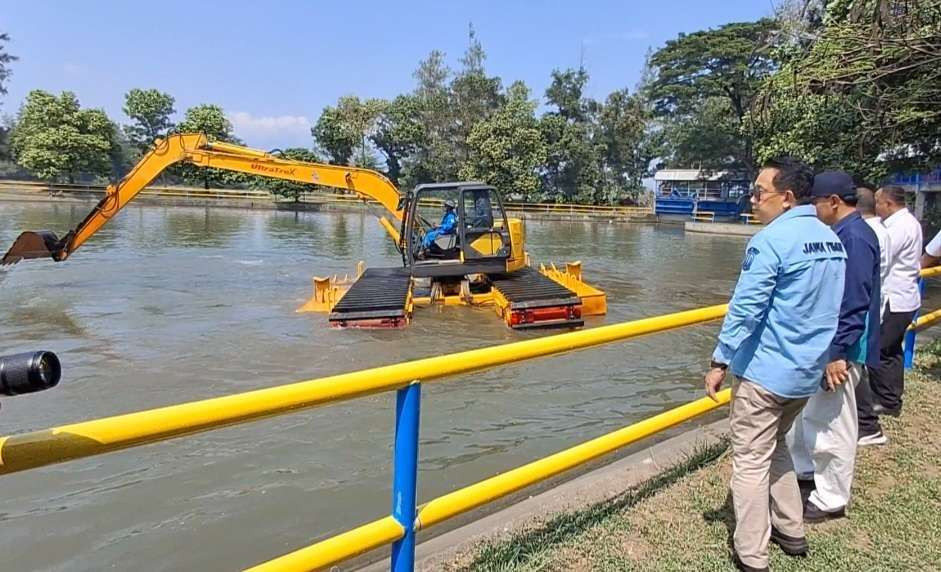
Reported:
(478, 241)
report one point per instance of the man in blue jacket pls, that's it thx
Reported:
(823, 440)
(776, 342)
(448, 225)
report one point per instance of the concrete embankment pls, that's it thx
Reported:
(726, 229)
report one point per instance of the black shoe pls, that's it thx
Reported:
(806, 485)
(746, 568)
(789, 545)
(877, 438)
(880, 409)
(813, 515)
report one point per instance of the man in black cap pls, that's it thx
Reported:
(824, 437)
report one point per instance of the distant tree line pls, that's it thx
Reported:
(852, 84)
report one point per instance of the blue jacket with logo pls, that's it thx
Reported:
(785, 307)
(857, 334)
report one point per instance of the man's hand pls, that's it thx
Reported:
(836, 373)
(714, 378)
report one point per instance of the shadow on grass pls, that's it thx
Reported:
(520, 548)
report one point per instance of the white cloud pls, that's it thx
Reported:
(272, 131)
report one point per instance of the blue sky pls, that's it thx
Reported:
(274, 65)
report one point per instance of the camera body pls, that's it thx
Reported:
(29, 372)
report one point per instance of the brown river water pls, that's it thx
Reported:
(172, 304)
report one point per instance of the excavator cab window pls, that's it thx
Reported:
(485, 228)
(436, 224)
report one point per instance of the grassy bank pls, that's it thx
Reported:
(682, 519)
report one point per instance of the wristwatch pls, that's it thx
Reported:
(718, 365)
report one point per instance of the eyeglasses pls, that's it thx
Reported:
(756, 193)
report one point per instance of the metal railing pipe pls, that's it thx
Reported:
(473, 496)
(326, 553)
(58, 444)
(337, 548)
(405, 474)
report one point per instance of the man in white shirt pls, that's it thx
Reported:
(932, 255)
(866, 205)
(903, 298)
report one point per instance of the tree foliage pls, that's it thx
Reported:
(398, 134)
(864, 95)
(506, 149)
(150, 110)
(710, 78)
(332, 137)
(436, 158)
(290, 189)
(628, 146)
(211, 121)
(6, 58)
(55, 139)
(573, 167)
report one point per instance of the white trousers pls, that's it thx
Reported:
(823, 442)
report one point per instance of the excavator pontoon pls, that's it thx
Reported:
(479, 259)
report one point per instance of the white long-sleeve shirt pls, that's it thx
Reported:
(901, 286)
(885, 260)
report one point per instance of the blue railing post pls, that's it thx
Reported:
(910, 334)
(405, 474)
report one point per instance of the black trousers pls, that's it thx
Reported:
(887, 381)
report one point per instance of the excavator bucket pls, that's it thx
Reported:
(38, 244)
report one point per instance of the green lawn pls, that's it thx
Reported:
(682, 519)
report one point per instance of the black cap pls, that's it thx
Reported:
(838, 183)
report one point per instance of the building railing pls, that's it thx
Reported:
(55, 445)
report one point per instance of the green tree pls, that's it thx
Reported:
(347, 128)
(573, 167)
(398, 134)
(436, 158)
(5, 60)
(332, 137)
(55, 139)
(864, 95)
(150, 110)
(474, 95)
(506, 149)
(358, 119)
(290, 189)
(692, 71)
(210, 120)
(628, 146)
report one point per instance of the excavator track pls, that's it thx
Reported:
(527, 299)
(380, 298)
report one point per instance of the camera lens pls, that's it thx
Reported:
(28, 372)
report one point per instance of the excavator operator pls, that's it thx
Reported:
(448, 225)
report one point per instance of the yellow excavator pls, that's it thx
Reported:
(475, 257)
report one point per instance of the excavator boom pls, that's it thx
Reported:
(196, 149)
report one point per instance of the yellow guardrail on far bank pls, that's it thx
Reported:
(58, 444)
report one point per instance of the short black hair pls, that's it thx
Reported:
(865, 200)
(793, 175)
(895, 194)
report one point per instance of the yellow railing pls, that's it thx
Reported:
(84, 439)
(40, 448)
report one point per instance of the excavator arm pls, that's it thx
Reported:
(197, 150)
